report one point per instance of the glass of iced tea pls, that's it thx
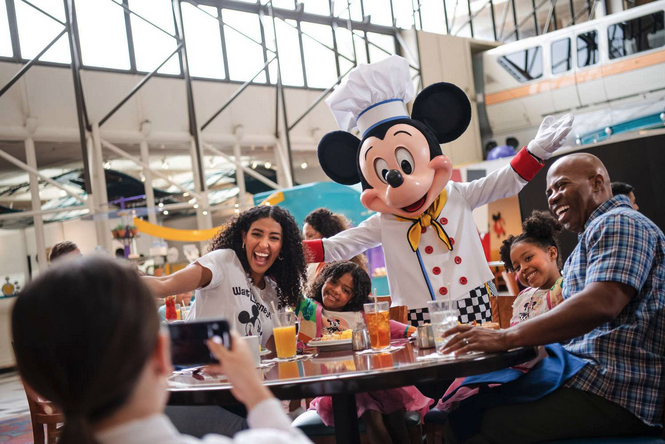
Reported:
(378, 324)
(285, 335)
(171, 313)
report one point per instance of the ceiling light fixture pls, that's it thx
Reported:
(303, 165)
(166, 212)
(268, 165)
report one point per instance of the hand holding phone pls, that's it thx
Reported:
(188, 341)
(239, 366)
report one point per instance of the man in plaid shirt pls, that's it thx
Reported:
(613, 317)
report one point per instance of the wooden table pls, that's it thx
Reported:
(342, 374)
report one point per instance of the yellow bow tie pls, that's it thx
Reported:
(428, 218)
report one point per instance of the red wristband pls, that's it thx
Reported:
(526, 165)
(313, 250)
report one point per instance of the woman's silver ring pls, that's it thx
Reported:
(466, 341)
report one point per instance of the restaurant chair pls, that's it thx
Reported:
(399, 313)
(311, 424)
(43, 414)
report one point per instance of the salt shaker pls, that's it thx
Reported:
(425, 337)
(359, 339)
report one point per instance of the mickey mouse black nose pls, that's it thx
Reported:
(394, 178)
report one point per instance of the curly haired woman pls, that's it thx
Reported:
(321, 224)
(255, 262)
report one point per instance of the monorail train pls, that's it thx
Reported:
(609, 72)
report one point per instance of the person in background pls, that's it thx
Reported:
(626, 189)
(321, 224)
(534, 257)
(611, 317)
(334, 305)
(256, 263)
(104, 361)
(63, 250)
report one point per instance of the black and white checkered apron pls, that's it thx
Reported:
(475, 307)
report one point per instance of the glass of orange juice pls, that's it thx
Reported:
(285, 335)
(378, 324)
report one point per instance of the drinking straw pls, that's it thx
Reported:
(274, 309)
(376, 302)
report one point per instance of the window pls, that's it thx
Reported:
(204, 45)
(562, 56)
(524, 65)
(361, 47)
(152, 46)
(321, 7)
(36, 30)
(433, 16)
(5, 39)
(403, 11)
(345, 48)
(587, 49)
(285, 4)
(289, 51)
(385, 44)
(637, 35)
(319, 61)
(103, 34)
(245, 56)
(379, 11)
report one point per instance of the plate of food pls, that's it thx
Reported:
(334, 341)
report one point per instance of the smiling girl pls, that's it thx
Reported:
(256, 261)
(534, 256)
(335, 304)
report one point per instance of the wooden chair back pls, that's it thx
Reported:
(43, 414)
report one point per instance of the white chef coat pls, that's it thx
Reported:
(414, 278)
(267, 420)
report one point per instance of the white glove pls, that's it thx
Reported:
(551, 136)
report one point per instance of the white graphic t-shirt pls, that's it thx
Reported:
(229, 295)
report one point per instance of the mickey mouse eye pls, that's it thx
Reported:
(381, 167)
(404, 160)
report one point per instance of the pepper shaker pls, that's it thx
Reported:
(359, 339)
(425, 337)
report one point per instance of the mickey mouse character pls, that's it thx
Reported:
(424, 221)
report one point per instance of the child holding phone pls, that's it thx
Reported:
(104, 361)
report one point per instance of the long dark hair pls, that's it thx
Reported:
(362, 284)
(540, 229)
(289, 271)
(82, 335)
(329, 224)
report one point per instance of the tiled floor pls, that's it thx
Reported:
(12, 396)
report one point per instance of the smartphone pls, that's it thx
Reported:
(188, 341)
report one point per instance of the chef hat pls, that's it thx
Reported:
(373, 94)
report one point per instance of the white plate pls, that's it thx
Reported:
(264, 352)
(340, 344)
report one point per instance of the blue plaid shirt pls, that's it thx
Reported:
(627, 355)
